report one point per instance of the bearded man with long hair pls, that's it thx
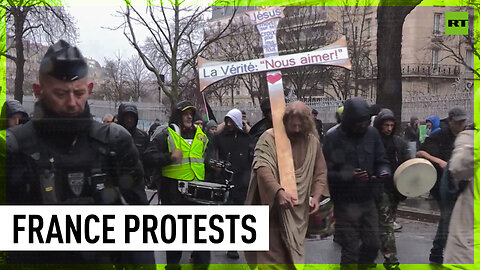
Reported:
(288, 221)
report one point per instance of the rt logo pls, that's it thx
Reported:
(456, 23)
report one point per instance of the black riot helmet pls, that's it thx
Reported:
(64, 62)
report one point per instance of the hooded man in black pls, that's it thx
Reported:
(128, 118)
(15, 113)
(265, 123)
(388, 196)
(356, 161)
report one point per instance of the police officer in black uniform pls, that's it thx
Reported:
(62, 156)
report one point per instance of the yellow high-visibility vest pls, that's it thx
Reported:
(192, 165)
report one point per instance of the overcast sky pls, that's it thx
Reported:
(96, 42)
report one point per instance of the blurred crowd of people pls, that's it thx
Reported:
(352, 163)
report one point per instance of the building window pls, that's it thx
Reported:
(435, 60)
(436, 23)
(367, 66)
(432, 88)
(238, 92)
(470, 24)
(368, 24)
(345, 30)
(469, 60)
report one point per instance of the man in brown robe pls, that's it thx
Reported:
(288, 221)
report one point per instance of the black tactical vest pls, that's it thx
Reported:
(84, 173)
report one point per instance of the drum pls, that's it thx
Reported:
(204, 192)
(415, 177)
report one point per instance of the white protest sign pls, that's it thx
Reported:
(335, 54)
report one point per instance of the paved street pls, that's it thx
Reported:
(413, 244)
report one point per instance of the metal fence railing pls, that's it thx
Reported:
(423, 106)
(420, 105)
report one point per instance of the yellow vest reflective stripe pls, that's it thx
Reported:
(192, 165)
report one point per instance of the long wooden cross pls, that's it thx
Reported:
(335, 54)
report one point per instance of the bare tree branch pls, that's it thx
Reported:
(457, 51)
(173, 42)
(33, 22)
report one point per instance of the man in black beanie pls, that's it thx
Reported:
(318, 124)
(63, 157)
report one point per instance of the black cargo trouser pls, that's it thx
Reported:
(357, 231)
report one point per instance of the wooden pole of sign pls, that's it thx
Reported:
(268, 33)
